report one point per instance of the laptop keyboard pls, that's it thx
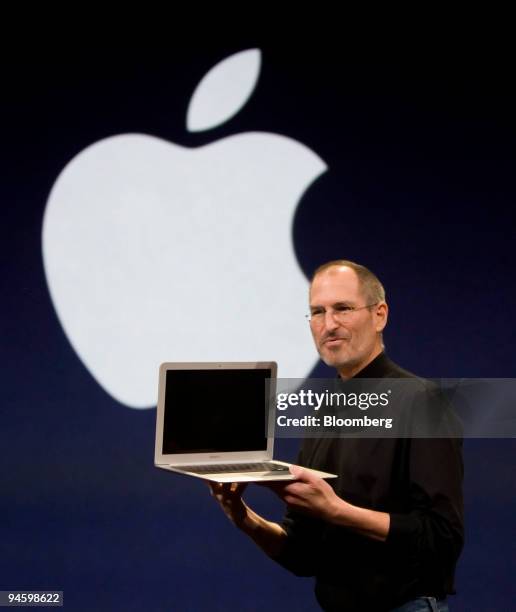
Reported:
(236, 467)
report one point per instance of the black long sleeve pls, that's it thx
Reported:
(418, 481)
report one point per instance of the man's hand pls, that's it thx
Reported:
(314, 496)
(270, 537)
(309, 494)
(229, 496)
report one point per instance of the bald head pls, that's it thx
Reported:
(370, 286)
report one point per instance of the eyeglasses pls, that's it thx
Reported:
(341, 313)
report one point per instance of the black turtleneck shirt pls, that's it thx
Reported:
(418, 482)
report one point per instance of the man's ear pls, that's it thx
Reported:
(381, 316)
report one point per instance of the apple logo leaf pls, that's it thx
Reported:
(223, 91)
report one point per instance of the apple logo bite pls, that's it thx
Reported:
(157, 252)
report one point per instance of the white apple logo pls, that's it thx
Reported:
(157, 252)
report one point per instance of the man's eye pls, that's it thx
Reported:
(317, 313)
(343, 308)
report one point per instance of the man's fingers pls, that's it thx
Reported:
(301, 474)
(295, 488)
(239, 487)
(228, 489)
(213, 487)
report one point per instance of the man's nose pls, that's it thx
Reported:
(330, 321)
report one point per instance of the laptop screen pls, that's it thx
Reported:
(215, 410)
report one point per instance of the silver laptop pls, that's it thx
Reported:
(216, 421)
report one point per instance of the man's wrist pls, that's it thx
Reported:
(371, 523)
(245, 521)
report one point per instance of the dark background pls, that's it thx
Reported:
(420, 187)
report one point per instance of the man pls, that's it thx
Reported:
(386, 535)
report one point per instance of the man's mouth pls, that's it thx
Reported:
(333, 341)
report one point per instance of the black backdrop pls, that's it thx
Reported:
(420, 187)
